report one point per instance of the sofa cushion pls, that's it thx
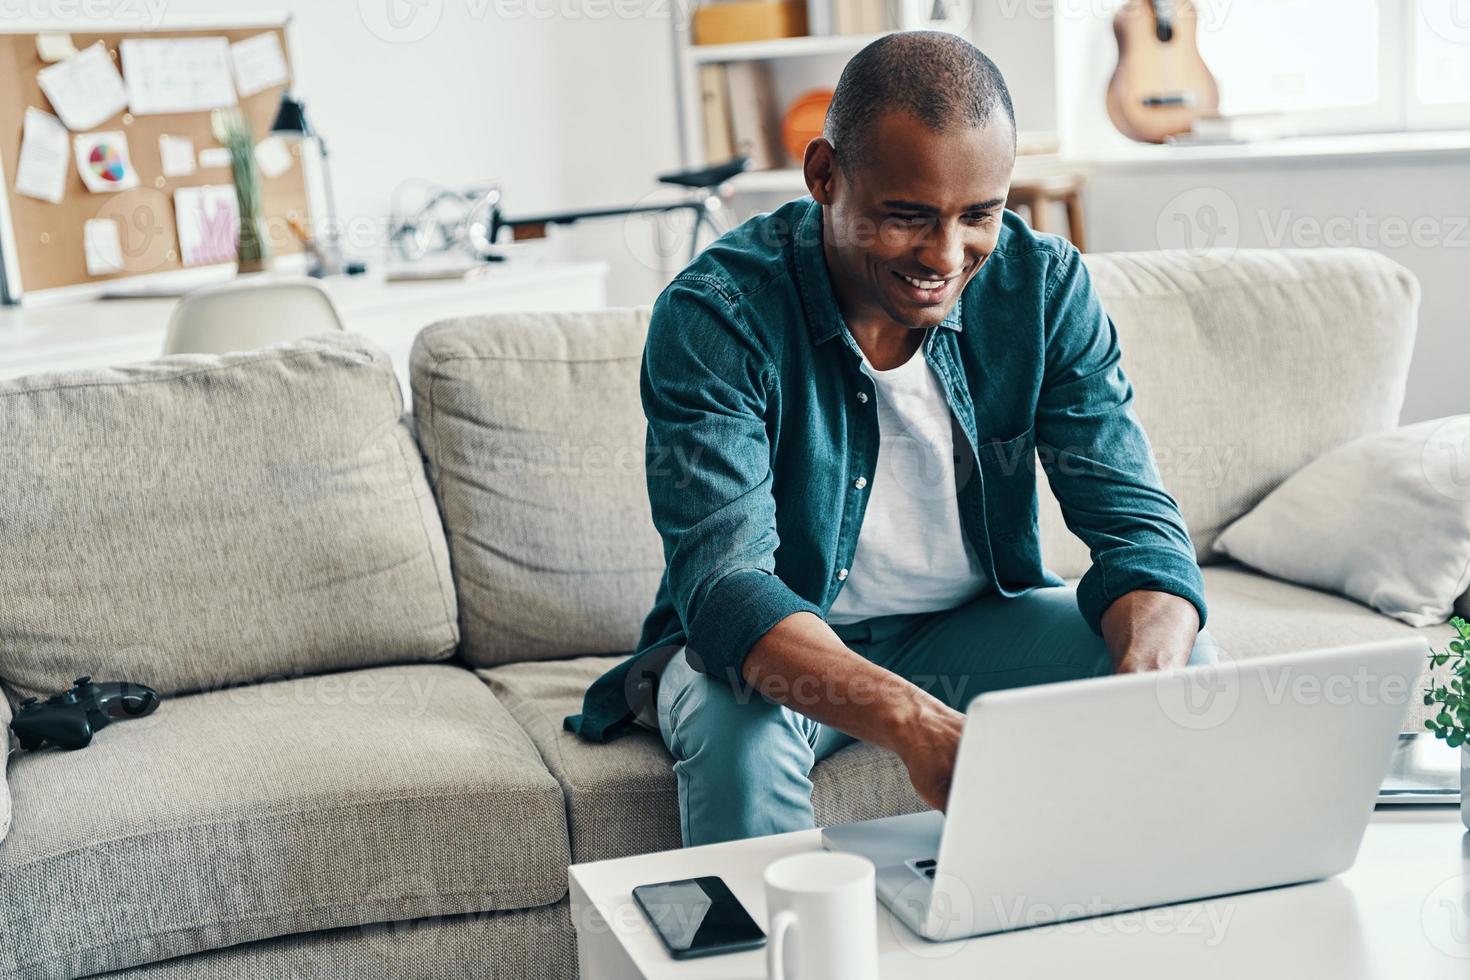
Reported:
(534, 435)
(622, 797)
(1246, 369)
(527, 944)
(376, 795)
(201, 520)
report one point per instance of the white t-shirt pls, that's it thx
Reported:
(912, 555)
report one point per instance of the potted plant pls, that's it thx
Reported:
(233, 130)
(1452, 721)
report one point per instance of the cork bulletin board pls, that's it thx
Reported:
(43, 242)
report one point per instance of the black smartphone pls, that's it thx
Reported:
(698, 917)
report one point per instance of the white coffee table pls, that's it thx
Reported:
(1402, 911)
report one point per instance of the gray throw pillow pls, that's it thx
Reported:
(1384, 519)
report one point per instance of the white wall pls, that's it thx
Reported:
(452, 93)
(571, 102)
(1414, 210)
(615, 109)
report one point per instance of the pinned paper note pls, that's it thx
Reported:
(103, 162)
(45, 149)
(259, 63)
(273, 156)
(209, 224)
(54, 47)
(176, 153)
(103, 246)
(85, 89)
(212, 157)
(177, 74)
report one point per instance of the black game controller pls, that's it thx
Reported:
(69, 719)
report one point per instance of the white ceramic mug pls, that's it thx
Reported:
(823, 918)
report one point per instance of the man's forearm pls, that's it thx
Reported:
(803, 665)
(1147, 630)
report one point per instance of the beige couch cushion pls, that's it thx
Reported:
(534, 434)
(622, 798)
(1244, 370)
(314, 803)
(202, 520)
(528, 944)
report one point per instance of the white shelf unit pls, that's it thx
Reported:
(789, 180)
(797, 64)
(785, 47)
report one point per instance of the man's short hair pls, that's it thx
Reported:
(939, 78)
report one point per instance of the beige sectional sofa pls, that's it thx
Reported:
(360, 769)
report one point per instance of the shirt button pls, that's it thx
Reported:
(860, 482)
(863, 397)
(842, 575)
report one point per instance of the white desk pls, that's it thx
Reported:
(1403, 911)
(94, 333)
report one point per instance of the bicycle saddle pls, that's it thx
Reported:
(705, 176)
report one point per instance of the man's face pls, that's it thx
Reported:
(908, 227)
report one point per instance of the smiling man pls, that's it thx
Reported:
(861, 382)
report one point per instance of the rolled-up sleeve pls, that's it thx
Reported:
(706, 386)
(1098, 460)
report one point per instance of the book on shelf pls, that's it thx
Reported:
(714, 104)
(1249, 127)
(860, 16)
(819, 17)
(754, 115)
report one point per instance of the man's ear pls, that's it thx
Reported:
(820, 170)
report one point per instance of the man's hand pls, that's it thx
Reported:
(1147, 630)
(928, 749)
(803, 665)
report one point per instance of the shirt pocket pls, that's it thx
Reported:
(1008, 469)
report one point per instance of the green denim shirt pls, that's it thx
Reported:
(763, 424)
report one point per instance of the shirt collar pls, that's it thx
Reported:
(815, 283)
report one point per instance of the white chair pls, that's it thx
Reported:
(247, 315)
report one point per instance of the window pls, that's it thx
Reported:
(1341, 65)
(1277, 55)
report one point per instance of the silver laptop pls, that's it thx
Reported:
(1097, 796)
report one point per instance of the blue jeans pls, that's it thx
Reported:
(744, 763)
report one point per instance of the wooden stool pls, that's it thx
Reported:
(1038, 194)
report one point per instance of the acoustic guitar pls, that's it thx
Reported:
(1161, 84)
